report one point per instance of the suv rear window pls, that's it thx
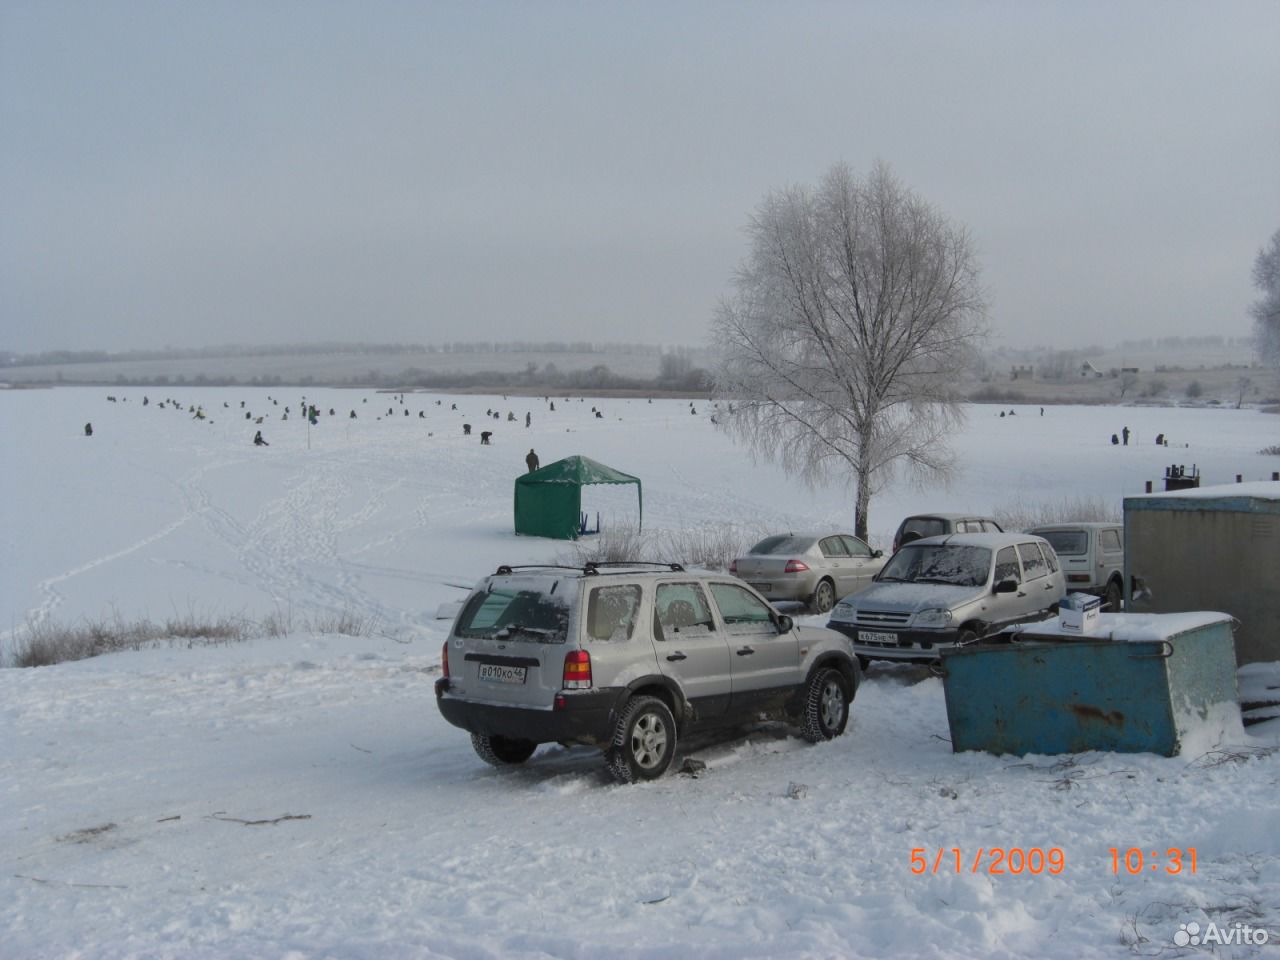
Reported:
(508, 611)
(923, 527)
(1067, 543)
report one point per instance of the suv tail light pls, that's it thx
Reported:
(577, 670)
(795, 566)
(733, 566)
(444, 660)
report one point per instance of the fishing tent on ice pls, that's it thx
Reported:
(549, 501)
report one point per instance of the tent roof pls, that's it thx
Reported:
(579, 471)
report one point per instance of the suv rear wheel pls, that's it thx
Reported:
(644, 741)
(826, 710)
(1113, 597)
(502, 751)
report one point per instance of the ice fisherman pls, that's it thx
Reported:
(531, 461)
(258, 440)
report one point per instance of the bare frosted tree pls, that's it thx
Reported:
(1128, 380)
(1266, 310)
(852, 318)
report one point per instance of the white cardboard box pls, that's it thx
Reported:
(1078, 612)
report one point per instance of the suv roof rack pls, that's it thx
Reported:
(507, 568)
(589, 569)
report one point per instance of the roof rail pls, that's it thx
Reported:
(591, 567)
(507, 568)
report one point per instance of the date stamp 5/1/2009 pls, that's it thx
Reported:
(1051, 860)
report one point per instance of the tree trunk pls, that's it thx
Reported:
(862, 504)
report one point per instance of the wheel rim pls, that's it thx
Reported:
(832, 704)
(825, 599)
(648, 741)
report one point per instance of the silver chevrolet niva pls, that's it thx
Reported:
(951, 591)
(629, 658)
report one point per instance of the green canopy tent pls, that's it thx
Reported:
(549, 501)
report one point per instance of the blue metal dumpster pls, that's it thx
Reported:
(1137, 684)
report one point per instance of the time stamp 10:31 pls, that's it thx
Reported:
(1053, 861)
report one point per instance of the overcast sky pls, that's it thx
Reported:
(188, 174)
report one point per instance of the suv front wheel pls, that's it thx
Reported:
(502, 751)
(644, 741)
(826, 709)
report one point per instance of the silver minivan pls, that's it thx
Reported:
(941, 592)
(1092, 555)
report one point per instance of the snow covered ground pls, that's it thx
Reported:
(299, 796)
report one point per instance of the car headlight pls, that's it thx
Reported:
(933, 617)
(843, 611)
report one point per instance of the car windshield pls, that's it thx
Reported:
(1067, 543)
(960, 564)
(506, 611)
(784, 544)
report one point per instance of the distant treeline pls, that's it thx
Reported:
(676, 372)
(1186, 343)
(225, 351)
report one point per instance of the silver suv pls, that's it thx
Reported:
(1092, 555)
(950, 591)
(629, 660)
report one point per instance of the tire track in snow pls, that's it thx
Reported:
(48, 589)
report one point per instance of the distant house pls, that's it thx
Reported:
(1020, 373)
(1087, 369)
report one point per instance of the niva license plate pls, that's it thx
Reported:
(499, 673)
(871, 636)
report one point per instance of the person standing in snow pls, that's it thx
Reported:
(531, 461)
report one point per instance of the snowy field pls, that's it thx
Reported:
(299, 796)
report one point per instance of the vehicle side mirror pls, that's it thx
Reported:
(784, 623)
(877, 554)
(1006, 586)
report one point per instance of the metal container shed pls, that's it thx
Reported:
(1137, 684)
(1209, 548)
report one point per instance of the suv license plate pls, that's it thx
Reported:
(870, 636)
(501, 674)
(762, 587)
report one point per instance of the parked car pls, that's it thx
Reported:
(814, 568)
(948, 591)
(629, 660)
(939, 524)
(1092, 556)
